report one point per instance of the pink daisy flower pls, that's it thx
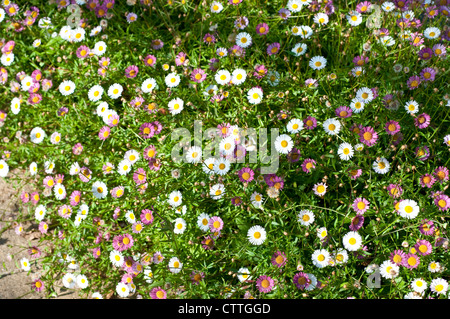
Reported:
(38, 285)
(423, 247)
(223, 130)
(35, 197)
(75, 198)
(354, 173)
(131, 71)
(301, 280)
(368, 136)
(441, 173)
(343, 112)
(360, 205)
(215, 224)
(294, 155)
(140, 176)
(260, 71)
(262, 28)
(411, 261)
(356, 223)
(104, 62)
(308, 165)
(117, 191)
(34, 252)
(127, 278)
(180, 59)
(392, 127)
(96, 252)
(310, 123)
(246, 175)
(154, 164)
(279, 259)
(157, 44)
(146, 216)
(157, 257)
(137, 227)
(43, 227)
(34, 98)
(209, 38)
(104, 133)
(398, 257)
(49, 182)
(265, 284)
(146, 130)
(236, 201)
(428, 74)
(394, 190)
(83, 52)
(150, 60)
(25, 197)
(427, 227)
(65, 211)
(413, 82)
(360, 60)
(196, 276)
(158, 293)
(427, 180)
(198, 75)
(442, 202)
(77, 149)
(150, 152)
(208, 243)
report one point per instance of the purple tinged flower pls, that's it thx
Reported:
(262, 28)
(284, 13)
(368, 136)
(311, 83)
(34, 87)
(425, 53)
(427, 227)
(442, 202)
(223, 130)
(411, 261)
(104, 133)
(265, 284)
(34, 252)
(422, 121)
(157, 44)
(395, 190)
(241, 23)
(398, 257)
(397, 138)
(96, 252)
(423, 247)
(354, 173)
(198, 75)
(308, 165)
(356, 223)
(180, 59)
(236, 201)
(439, 49)
(117, 191)
(301, 280)
(65, 211)
(310, 123)
(154, 164)
(428, 74)
(196, 276)
(127, 278)
(12, 9)
(441, 173)
(432, 11)
(294, 155)
(150, 152)
(343, 112)
(213, 64)
(36, 75)
(422, 153)
(413, 82)
(273, 48)
(38, 285)
(360, 60)
(75, 198)
(122, 242)
(215, 224)
(363, 7)
(279, 259)
(146, 130)
(85, 174)
(146, 216)
(236, 51)
(246, 175)
(158, 293)
(208, 243)
(43, 227)
(83, 52)
(131, 71)
(360, 205)
(209, 38)
(34, 98)
(416, 39)
(392, 127)
(139, 176)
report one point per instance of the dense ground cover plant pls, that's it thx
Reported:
(92, 92)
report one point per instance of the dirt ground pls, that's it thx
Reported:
(15, 283)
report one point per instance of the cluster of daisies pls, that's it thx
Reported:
(92, 195)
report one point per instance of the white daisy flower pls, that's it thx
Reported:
(175, 265)
(332, 126)
(439, 286)
(364, 95)
(257, 199)
(299, 49)
(194, 154)
(132, 156)
(387, 41)
(83, 211)
(388, 6)
(4, 168)
(434, 266)
(26, 83)
(305, 31)
(419, 285)
(321, 18)
(55, 138)
(124, 167)
(256, 235)
(217, 191)
(74, 169)
(294, 5)
(179, 226)
(102, 108)
(208, 165)
(255, 95)
(345, 151)
(244, 40)
(39, 212)
(67, 87)
(148, 85)
(340, 256)
(202, 221)
(389, 270)
(96, 295)
(243, 274)
(130, 217)
(78, 34)
(216, 7)
(99, 48)
(172, 80)
(273, 78)
(354, 18)
(238, 76)
(222, 77)
(116, 258)
(294, 126)
(356, 105)
(284, 144)
(322, 232)
(222, 166)
(306, 217)
(320, 258)
(412, 107)
(352, 241)
(227, 145)
(381, 166)
(115, 91)
(99, 190)
(408, 208)
(211, 89)
(49, 166)
(123, 290)
(176, 106)
(175, 199)
(33, 168)
(82, 281)
(60, 191)
(7, 59)
(95, 93)
(431, 33)
(69, 280)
